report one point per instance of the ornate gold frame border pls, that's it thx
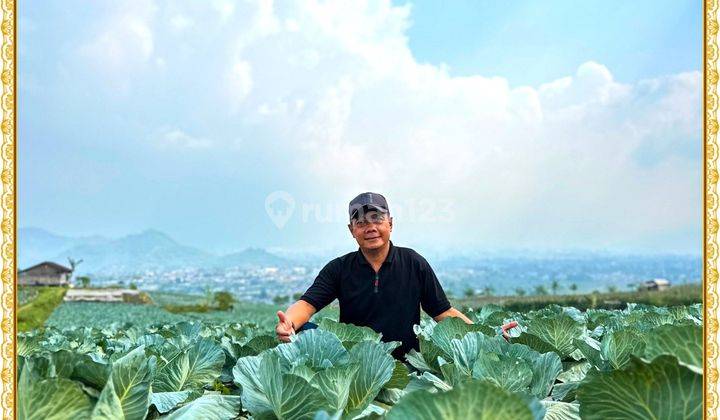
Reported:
(8, 225)
(710, 197)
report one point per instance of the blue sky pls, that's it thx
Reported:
(531, 42)
(486, 125)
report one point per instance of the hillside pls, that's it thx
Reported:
(150, 249)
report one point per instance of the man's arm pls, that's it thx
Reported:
(320, 294)
(295, 317)
(455, 313)
(432, 296)
(452, 312)
(299, 313)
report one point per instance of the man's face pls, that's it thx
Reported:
(371, 230)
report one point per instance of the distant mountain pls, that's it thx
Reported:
(36, 245)
(150, 249)
(257, 257)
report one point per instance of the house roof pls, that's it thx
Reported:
(56, 266)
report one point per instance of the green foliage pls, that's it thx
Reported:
(540, 290)
(83, 281)
(475, 400)
(223, 301)
(436, 341)
(191, 367)
(314, 372)
(126, 393)
(674, 296)
(220, 301)
(261, 314)
(108, 314)
(555, 286)
(139, 361)
(209, 406)
(683, 341)
(50, 398)
(653, 352)
(25, 294)
(181, 309)
(349, 334)
(558, 410)
(34, 314)
(660, 389)
(280, 299)
(126, 370)
(558, 332)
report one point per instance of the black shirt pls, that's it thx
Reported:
(405, 281)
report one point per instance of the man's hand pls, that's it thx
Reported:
(510, 325)
(295, 317)
(284, 328)
(452, 312)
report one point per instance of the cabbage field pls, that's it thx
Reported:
(643, 362)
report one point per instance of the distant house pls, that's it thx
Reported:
(655, 284)
(46, 273)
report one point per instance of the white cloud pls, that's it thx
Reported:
(181, 22)
(174, 138)
(122, 42)
(240, 80)
(560, 157)
(333, 88)
(225, 8)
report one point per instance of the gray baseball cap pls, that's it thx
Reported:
(367, 201)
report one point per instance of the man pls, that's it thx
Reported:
(381, 286)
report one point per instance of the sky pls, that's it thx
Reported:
(486, 125)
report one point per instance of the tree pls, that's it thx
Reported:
(280, 299)
(469, 292)
(84, 281)
(612, 288)
(540, 290)
(519, 291)
(573, 287)
(224, 300)
(555, 286)
(73, 263)
(297, 296)
(488, 291)
(133, 286)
